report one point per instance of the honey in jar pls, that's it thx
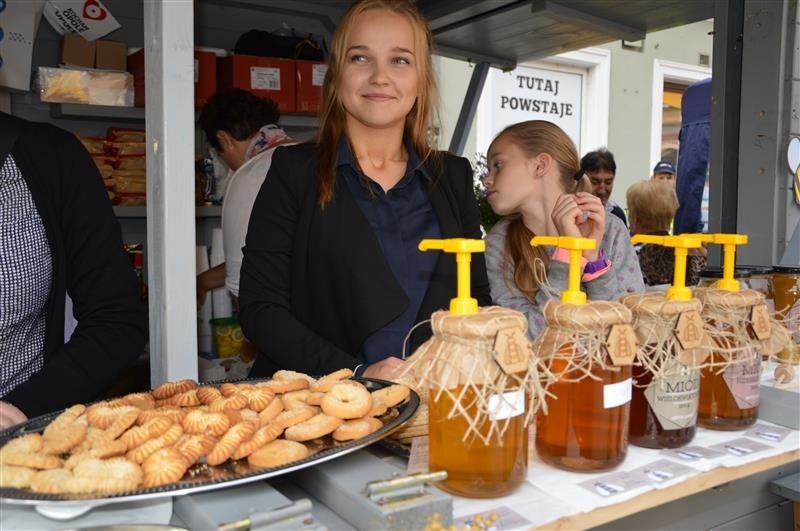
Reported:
(786, 285)
(476, 469)
(586, 425)
(729, 400)
(664, 411)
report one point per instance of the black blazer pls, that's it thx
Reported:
(315, 283)
(88, 263)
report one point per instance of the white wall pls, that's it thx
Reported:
(630, 96)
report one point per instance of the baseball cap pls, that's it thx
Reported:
(664, 167)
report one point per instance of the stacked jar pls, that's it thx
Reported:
(786, 285)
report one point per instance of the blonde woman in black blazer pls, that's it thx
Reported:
(331, 277)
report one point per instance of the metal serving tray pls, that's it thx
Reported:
(200, 477)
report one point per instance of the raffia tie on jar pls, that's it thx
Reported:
(578, 337)
(461, 364)
(672, 335)
(740, 327)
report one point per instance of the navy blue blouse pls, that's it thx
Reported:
(400, 218)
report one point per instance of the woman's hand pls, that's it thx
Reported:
(580, 215)
(386, 369)
(10, 415)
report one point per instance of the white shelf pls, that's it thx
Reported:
(77, 111)
(207, 211)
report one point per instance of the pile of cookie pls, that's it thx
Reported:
(145, 440)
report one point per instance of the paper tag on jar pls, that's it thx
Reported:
(507, 405)
(689, 330)
(512, 350)
(760, 322)
(622, 344)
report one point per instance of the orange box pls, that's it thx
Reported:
(266, 77)
(205, 76)
(310, 76)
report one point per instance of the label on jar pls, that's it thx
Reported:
(793, 316)
(507, 405)
(742, 381)
(674, 398)
(617, 394)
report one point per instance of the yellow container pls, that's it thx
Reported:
(228, 337)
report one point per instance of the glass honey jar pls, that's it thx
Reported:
(729, 390)
(786, 285)
(588, 348)
(666, 376)
(474, 468)
(475, 367)
(586, 425)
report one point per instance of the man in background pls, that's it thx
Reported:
(601, 168)
(664, 171)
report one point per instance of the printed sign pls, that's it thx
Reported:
(89, 18)
(528, 93)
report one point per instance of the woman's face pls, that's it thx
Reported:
(379, 82)
(510, 181)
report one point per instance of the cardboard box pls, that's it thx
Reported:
(266, 77)
(310, 77)
(19, 22)
(205, 76)
(76, 51)
(110, 55)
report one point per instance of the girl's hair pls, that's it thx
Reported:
(332, 113)
(535, 137)
(652, 204)
(238, 112)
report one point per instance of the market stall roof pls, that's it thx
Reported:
(507, 32)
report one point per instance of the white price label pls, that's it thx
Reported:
(318, 74)
(616, 394)
(263, 78)
(507, 405)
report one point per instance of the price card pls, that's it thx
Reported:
(614, 484)
(663, 470)
(693, 453)
(740, 447)
(764, 432)
(499, 518)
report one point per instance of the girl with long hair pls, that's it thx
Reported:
(534, 180)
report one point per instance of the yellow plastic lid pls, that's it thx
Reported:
(575, 246)
(682, 243)
(463, 248)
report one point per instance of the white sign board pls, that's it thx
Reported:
(89, 18)
(528, 93)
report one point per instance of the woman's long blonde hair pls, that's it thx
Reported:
(332, 114)
(535, 137)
